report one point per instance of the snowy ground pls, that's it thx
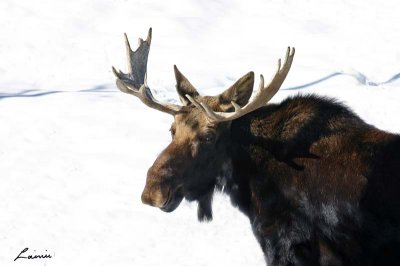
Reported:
(74, 151)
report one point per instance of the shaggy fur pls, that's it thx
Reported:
(318, 184)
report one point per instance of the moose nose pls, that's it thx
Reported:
(153, 198)
(146, 199)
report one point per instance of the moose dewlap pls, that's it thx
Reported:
(318, 184)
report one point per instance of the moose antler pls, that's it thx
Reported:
(134, 82)
(264, 94)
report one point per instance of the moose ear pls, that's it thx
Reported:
(184, 87)
(239, 92)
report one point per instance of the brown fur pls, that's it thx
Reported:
(319, 185)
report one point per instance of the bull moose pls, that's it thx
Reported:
(318, 184)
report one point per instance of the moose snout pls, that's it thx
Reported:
(161, 188)
(155, 193)
(153, 197)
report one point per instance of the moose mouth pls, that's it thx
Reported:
(172, 202)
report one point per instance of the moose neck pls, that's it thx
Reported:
(246, 155)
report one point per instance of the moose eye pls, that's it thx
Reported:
(207, 137)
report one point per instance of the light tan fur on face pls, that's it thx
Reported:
(190, 128)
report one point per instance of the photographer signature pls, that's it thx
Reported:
(22, 255)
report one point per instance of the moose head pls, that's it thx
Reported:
(198, 156)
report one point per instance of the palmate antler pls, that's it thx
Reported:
(135, 81)
(264, 94)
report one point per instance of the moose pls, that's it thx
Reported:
(319, 185)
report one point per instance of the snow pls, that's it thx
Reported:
(75, 151)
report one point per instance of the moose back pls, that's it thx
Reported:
(318, 184)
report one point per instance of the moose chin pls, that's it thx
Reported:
(319, 185)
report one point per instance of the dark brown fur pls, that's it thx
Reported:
(319, 185)
(323, 177)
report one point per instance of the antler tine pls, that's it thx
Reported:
(280, 75)
(145, 95)
(134, 82)
(263, 95)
